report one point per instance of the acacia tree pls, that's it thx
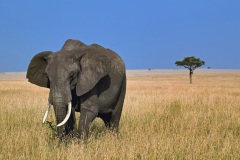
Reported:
(191, 63)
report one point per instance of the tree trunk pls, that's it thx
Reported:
(190, 76)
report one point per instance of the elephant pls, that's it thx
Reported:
(89, 79)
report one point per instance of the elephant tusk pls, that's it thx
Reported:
(67, 116)
(46, 113)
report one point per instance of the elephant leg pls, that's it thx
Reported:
(115, 119)
(86, 118)
(116, 114)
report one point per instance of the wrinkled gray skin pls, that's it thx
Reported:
(93, 78)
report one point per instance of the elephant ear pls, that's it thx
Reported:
(93, 69)
(36, 70)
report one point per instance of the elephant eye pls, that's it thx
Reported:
(72, 75)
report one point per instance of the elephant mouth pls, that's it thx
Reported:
(65, 119)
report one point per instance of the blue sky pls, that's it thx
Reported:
(146, 34)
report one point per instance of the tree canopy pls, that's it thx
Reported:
(190, 63)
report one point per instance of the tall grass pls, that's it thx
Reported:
(164, 117)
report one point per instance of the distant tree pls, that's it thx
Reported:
(191, 63)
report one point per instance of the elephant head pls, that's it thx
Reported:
(72, 68)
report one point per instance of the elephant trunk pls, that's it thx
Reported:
(67, 116)
(60, 113)
(61, 102)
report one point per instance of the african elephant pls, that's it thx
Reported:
(84, 78)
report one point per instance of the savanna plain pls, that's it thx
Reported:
(164, 117)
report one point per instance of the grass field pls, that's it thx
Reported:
(164, 117)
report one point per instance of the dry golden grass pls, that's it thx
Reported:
(164, 117)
